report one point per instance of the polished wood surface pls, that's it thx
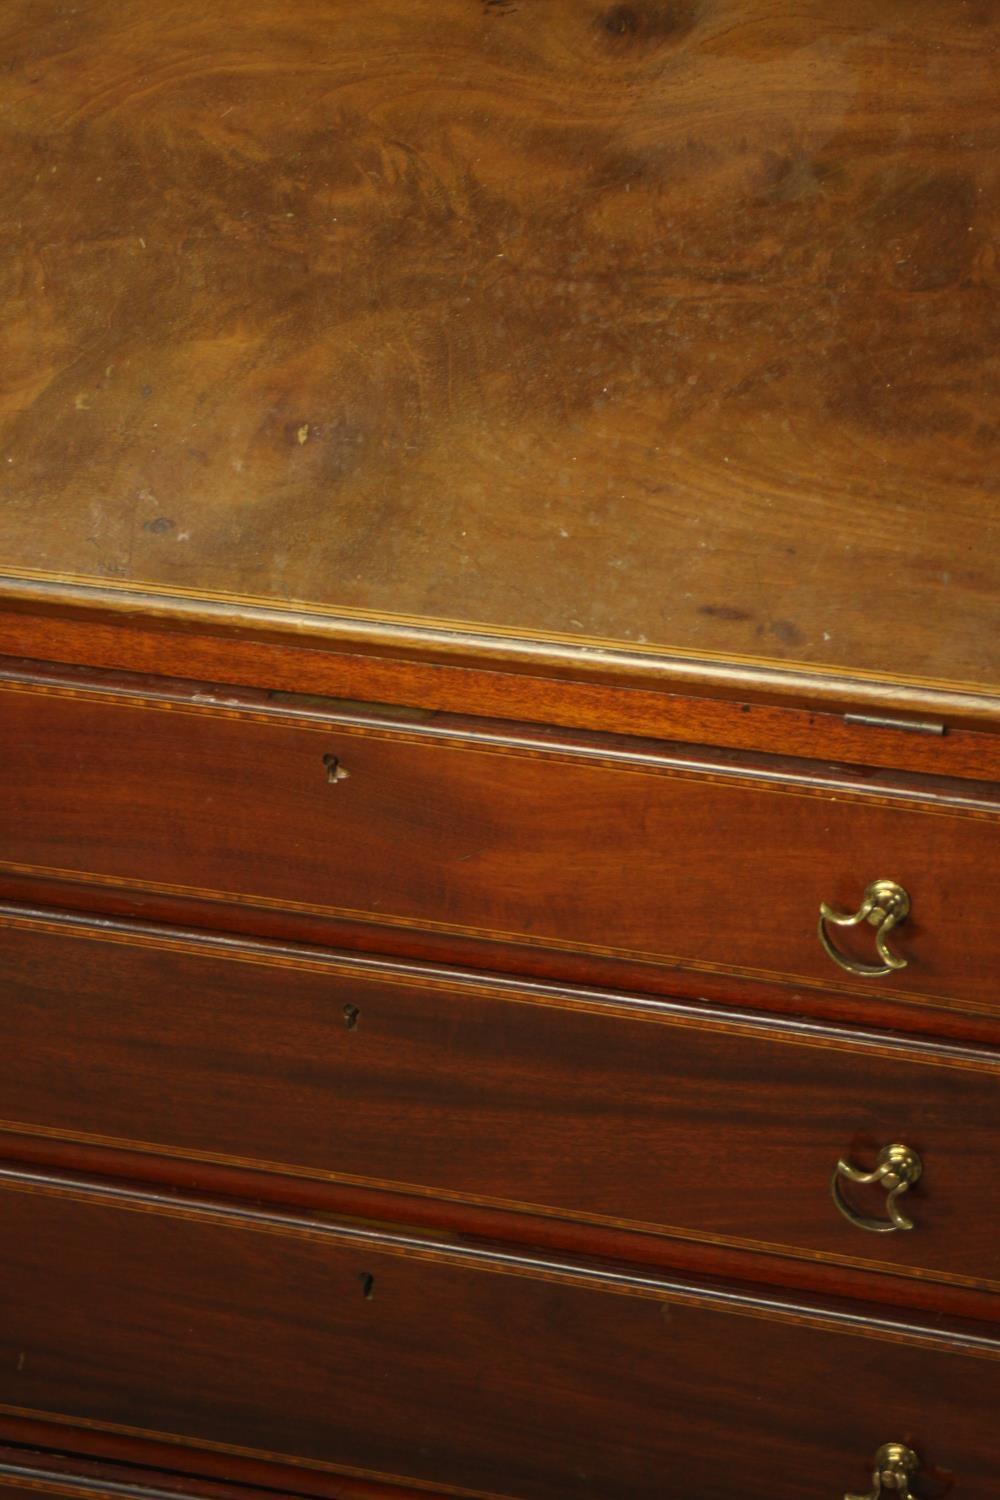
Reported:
(481, 1372)
(540, 843)
(437, 1093)
(672, 1120)
(807, 716)
(39, 1466)
(667, 325)
(26, 1474)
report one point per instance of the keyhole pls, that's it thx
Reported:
(334, 770)
(351, 1016)
(367, 1285)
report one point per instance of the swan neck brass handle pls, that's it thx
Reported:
(895, 1466)
(884, 905)
(897, 1169)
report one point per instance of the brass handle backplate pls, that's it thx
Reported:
(895, 1466)
(897, 1169)
(884, 905)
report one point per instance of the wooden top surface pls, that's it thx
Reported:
(671, 324)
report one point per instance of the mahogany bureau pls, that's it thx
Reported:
(500, 729)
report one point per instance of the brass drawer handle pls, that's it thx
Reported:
(897, 1169)
(885, 905)
(895, 1466)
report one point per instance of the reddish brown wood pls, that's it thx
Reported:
(28, 1472)
(744, 715)
(354, 1350)
(493, 957)
(133, 689)
(611, 368)
(663, 860)
(666, 327)
(631, 1114)
(473, 1224)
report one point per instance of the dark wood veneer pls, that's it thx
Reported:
(667, 861)
(356, 1350)
(617, 1111)
(26, 1473)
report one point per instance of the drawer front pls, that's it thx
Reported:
(663, 1118)
(645, 859)
(482, 1373)
(26, 1474)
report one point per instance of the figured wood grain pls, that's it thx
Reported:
(624, 1113)
(658, 859)
(352, 1350)
(667, 325)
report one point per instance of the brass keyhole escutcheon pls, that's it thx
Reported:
(895, 1466)
(897, 1169)
(884, 905)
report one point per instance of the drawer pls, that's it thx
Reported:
(26, 1474)
(667, 1119)
(643, 856)
(482, 1373)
